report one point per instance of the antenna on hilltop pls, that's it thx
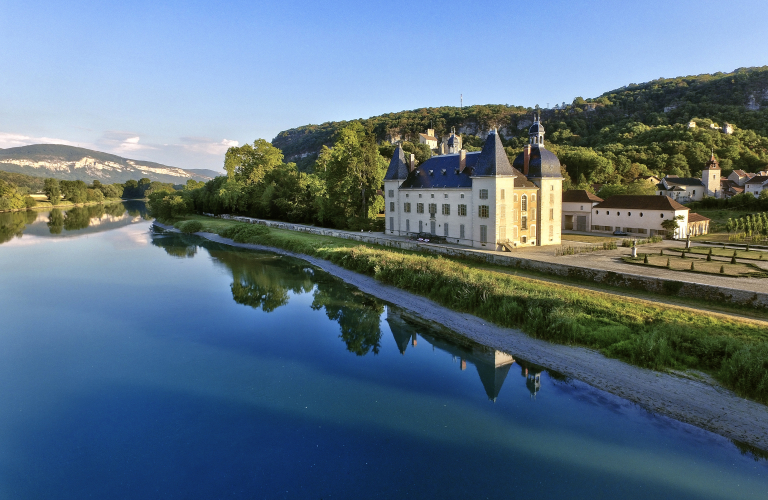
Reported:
(461, 103)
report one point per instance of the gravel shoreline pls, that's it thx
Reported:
(696, 402)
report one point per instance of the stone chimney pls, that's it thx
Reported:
(526, 158)
(431, 132)
(462, 160)
(412, 162)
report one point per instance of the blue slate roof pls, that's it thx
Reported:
(493, 159)
(442, 172)
(542, 163)
(398, 169)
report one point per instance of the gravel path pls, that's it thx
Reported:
(697, 402)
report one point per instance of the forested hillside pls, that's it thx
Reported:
(636, 130)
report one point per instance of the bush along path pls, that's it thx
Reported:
(732, 350)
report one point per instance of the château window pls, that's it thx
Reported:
(503, 211)
(391, 206)
(462, 195)
(482, 211)
(391, 193)
(461, 231)
(524, 222)
(463, 210)
(524, 203)
(432, 209)
(502, 194)
(432, 195)
(419, 208)
(446, 195)
(551, 214)
(446, 209)
(533, 198)
(483, 194)
(533, 213)
(551, 198)
(407, 208)
(551, 233)
(483, 234)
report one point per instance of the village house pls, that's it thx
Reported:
(687, 189)
(429, 139)
(756, 185)
(478, 199)
(577, 209)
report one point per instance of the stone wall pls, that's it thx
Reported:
(624, 280)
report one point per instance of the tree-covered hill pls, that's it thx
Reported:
(636, 130)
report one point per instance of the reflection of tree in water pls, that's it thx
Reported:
(55, 221)
(12, 224)
(176, 245)
(358, 314)
(263, 280)
(80, 217)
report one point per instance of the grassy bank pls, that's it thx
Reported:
(651, 335)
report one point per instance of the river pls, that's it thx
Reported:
(144, 364)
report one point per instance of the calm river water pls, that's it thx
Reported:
(136, 364)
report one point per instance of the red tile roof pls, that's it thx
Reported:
(580, 196)
(693, 217)
(641, 202)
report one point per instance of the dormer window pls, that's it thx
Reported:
(431, 172)
(443, 171)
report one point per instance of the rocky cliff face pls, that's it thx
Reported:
(70, 163)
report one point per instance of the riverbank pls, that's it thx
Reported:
(697, 401)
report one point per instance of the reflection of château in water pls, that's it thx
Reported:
(492, 365)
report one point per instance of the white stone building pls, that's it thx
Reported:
(429, 139)
(638, 215)
(687, 189)
(756, 185)
(478, 199)
(577, 209)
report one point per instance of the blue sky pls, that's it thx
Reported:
(177, 82)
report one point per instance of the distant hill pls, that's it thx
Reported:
(71, 163)
(204, 172)
(649, 117)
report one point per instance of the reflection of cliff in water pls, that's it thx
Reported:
(266, 281)
(75, 221)
(492, 366)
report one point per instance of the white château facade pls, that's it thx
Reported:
(478, 199)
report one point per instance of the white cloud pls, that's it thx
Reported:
(8, 140)
(207, 146)
(122, 142)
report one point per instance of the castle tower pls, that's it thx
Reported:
(710, 177)
(542, 167)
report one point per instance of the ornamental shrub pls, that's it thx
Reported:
(191, 226)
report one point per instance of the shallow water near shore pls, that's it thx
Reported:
(136, 364)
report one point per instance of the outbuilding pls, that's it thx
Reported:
(639, 215)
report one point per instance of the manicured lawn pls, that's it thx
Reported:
(725, 252)
(700, 265)
(587, 239)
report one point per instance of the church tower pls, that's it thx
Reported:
(710, 177)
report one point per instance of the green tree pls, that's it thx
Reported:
(671, 225)
(52, 190)
(353, 170)
(249, 164)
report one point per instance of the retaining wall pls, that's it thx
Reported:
(624, 280)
